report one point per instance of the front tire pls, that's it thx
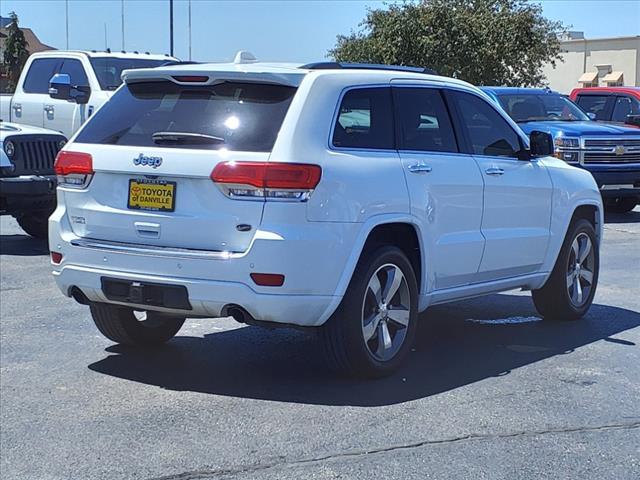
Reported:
(373, 329)
(129, 327)
(569, 291)
(35, 224)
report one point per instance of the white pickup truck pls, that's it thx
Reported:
(95, 74)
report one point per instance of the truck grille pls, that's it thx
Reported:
(35, 154)
(611, 150)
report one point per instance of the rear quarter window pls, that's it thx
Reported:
(243, 116)
(365, 120)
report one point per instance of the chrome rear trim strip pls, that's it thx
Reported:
(154, 251)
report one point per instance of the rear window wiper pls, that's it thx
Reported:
(186, 138)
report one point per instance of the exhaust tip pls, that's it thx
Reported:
(236, 312)
(78, 296)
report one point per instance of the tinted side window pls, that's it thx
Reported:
(75, 70)
(625, 106)
(365, 119)
(39, 74)
(595, 104)
(486, 131)
(423, 120)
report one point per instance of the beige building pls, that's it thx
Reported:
(595, 62)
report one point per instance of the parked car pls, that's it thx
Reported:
(93, 75)
(610, 104)
(343, 198)
(27, 179)
(610, 152)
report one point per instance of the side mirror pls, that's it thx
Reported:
(541, 144)
(591, 115)
(633, 119)
(60, 88)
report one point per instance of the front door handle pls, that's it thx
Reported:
(419, 168)
(49, 108)
(494, 171)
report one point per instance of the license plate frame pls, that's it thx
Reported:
(135, 203)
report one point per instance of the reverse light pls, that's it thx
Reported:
(268, 279)
(267, 180)
(73, 169)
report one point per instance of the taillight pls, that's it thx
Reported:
(267, 180)
(74, 169)
(56, 258)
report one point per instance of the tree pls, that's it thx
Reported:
(485, 42)
(15, 52)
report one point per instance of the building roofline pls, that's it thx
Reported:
(595, 39)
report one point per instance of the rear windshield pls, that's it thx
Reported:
(231, 115)
(109, 69)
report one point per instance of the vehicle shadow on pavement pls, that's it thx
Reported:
(451, 351)
(22, 245)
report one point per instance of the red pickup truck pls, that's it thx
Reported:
(610, 104)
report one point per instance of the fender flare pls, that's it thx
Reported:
(356, 252)
(554, 250)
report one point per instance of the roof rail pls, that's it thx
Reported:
(366, 66)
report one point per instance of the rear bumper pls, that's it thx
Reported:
(27, 193)
(207, 297)
(214, 280)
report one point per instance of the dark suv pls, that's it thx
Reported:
(27, 179)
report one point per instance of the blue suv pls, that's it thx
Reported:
(610, 152)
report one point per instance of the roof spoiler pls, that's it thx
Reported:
(366, 66)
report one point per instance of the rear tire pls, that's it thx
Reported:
(569, 291)
(121, 325)
(373, 329)
(35, 224)
(621, 204)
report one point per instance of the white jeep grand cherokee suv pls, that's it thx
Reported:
(343, 197)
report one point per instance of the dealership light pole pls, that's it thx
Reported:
(189, 30)
(171, 27)
(66, 21)
(122, 21)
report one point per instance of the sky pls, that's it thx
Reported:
(296, 31)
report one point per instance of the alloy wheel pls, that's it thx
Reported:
(580, 270)
(386, 311)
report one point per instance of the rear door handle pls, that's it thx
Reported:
(419, 168)
(49, 108)
(494, 171)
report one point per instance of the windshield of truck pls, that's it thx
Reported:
(109, 69)
(233, 115)
(541, 107)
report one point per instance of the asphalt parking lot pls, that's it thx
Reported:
(489, 392)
